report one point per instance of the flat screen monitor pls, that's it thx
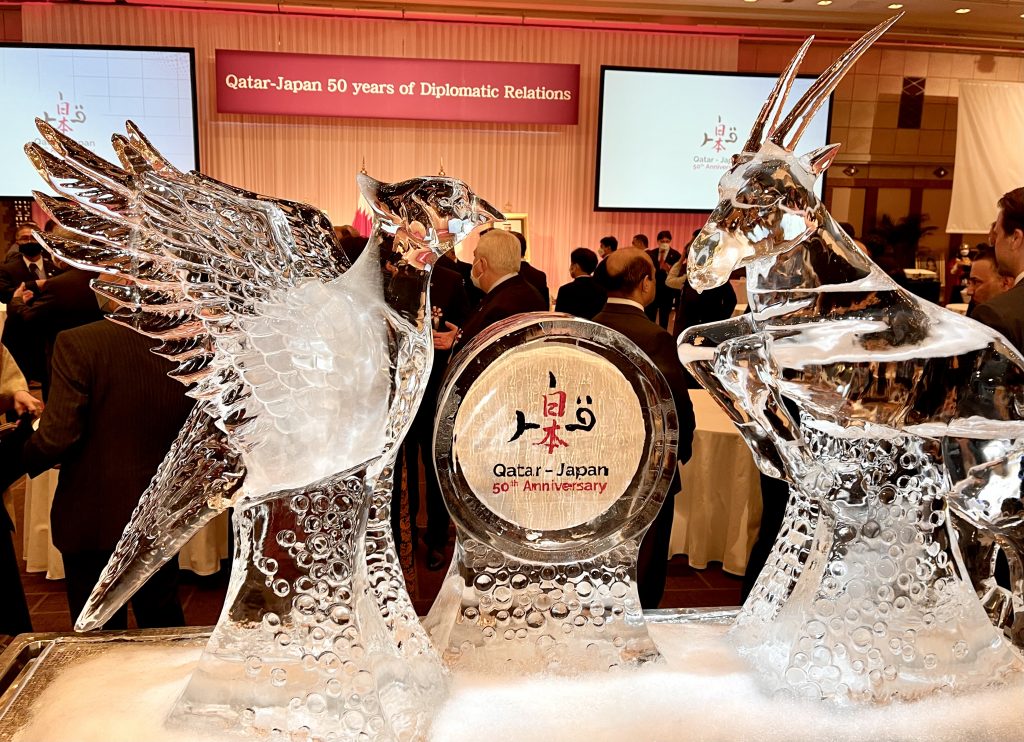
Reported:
(666, 136)
(88, 92)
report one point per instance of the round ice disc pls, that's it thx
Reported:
(555, 438)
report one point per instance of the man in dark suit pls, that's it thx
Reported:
(583, 296)
(111, 417)
(464, 269)
(496, 272)
(24, 268)
(664, 256)
(985, 281)
(631, 287)
(607, 246)
(1005, 312)
(534, 276)
(449, 305)
(59, 303)
(698, 308)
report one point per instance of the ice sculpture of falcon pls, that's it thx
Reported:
(301, 366)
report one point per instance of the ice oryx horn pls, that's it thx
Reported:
(776, 99)
(819, 91)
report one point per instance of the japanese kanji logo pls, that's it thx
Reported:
(553, 413)
(720, 135)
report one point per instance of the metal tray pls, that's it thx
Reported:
(32, 661)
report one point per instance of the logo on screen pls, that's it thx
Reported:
(720, 135)
(68, 113)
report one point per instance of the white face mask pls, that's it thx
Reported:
(473, 277)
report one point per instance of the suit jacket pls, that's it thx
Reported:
(1005, 314)
(14, 272)
(698, 308)
(465, 270)
(65, 301)
(538, 279)
(582, 297)
(448, 303)
(511, 296)
(110, 420)
(663, 293)
(27, 347)
(661, 349)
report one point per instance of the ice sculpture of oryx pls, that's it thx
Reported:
(852, 389)
(307, 375)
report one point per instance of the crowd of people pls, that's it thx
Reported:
(635, 291)
(109, 412)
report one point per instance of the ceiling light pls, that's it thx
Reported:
(895, 6)
(824, 2)
(961, 11)
(750, 1)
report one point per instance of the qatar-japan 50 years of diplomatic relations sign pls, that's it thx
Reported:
(396, 88)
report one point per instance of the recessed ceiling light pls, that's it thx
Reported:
(895, 6)
(824, 2)
(961, 11)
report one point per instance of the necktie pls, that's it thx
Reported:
(34, 270)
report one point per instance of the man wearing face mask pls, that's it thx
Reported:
(25, 272)
(30, 264)
(664, 256)
(495, 271)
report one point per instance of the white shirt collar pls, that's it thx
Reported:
(502, 280)
(627, 302)
(38, 262)
(1019, 278)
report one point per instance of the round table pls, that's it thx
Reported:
(202, 554)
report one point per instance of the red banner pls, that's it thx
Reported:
(396, 88)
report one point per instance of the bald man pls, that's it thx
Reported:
(495, 271)
(630, 281)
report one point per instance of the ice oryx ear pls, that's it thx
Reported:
(818, 160)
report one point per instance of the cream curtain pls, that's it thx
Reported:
(545, 171)
(989, 153)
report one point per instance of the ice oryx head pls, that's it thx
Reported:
(767, 202)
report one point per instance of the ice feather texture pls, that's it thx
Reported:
(307, 374)
(247, 299)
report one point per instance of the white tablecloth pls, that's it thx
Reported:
(718, 511)
(201, 555)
